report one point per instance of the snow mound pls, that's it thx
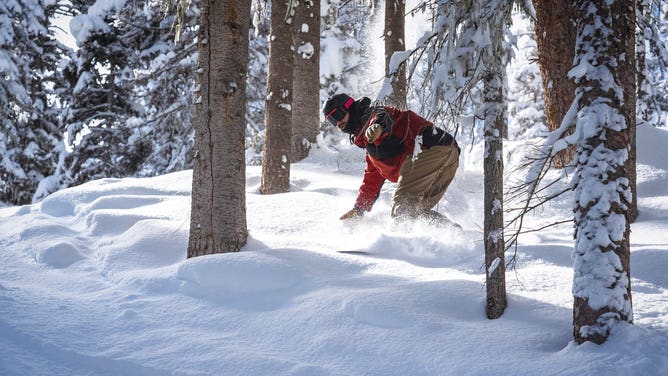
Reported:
(116, 194)
(243, 272)
(59, 254)
(148, 243)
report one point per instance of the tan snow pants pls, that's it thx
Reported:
(424, 180)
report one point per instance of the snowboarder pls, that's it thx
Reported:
(389, 136)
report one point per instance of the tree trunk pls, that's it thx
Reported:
(278, 105)
(306, 99)
(495, 265)
(606, 116)
(628, 80)
(394, 41)
(642, 94)
(218, 209)
(555, 39)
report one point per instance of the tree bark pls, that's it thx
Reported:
(555, 39)
(306, 99)
(278, 105)
(218, 208)
(628, 81)
(394, 42)
(495, 264)
(495, 125)
(606, 117)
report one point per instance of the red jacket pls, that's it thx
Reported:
(386, 155)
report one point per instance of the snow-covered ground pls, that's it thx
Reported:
(94, 281)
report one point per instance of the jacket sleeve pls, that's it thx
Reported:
(371, 185)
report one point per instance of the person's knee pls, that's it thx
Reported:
(405, 205)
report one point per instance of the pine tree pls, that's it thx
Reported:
(102, 107)
(278, 106)
(555, 37)
(218, 209)
(605, 98)
(128, 63)
(306, 87)
(162, 84)
(457, 66)
(526, 103)
(29, 62)
(495, 58)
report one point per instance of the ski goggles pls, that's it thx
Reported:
(338, 113)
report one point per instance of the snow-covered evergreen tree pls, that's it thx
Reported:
(496, 17)
(526, 105)
(162, 82)
(449, 58)
(463, 62)
(130, 103)
(29, 64)
(102, 109)
(605, 104)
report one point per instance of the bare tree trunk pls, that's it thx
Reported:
(218, 209)
(495, 265)
(606, 116)
(306, 99)
(278, 105)
(555, 39)
(394, 41)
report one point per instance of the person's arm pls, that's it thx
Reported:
(368, 192)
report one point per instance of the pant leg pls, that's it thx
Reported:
(423, 181)
(443, 179)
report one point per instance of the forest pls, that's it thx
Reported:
(147, 88)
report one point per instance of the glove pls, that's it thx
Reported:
(373, 132)
(352, 213)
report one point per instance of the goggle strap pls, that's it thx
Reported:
(346, 105)
(331, 112)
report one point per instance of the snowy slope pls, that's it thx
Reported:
(94, 281)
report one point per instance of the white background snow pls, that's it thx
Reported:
(94, 280)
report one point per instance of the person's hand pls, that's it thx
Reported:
(373, 132)
(352, 213)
